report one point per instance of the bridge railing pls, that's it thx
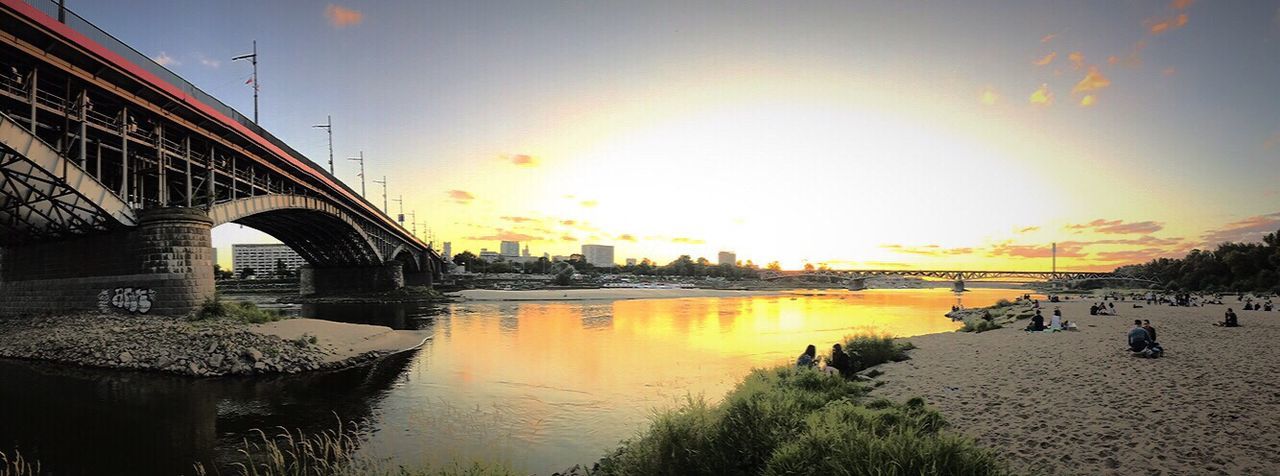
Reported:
(84, 27)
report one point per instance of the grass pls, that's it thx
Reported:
(17, 465)
(246, 312)
(799, 421)
(979, 325)
(870, 350)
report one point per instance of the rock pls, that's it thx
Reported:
(193, 368)
(260, 365)
(254, 355)
(215, 360)
(164, 362)
(125, 357)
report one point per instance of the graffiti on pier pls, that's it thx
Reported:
(137, 300)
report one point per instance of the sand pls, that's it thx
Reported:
(343, 341)
(1078, 403)
(600, 294)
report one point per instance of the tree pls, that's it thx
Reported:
(774, 266)
(808, 266)
(247, 273)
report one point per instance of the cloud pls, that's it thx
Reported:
(518, 219)
(1093, 81)
(1088, 100)
(1077, 59)
(1271, 141)
(1247, 230)
(567, 238)
(342, 17)
(522, 160)
(568, 222)
(1048, 38)
(461, 196)
(626, 237)
(1044, 61)
(1170, 71)
(504, 235)
(1165, 24)
(1065, 250)
(927, 250)
(163, 59)
(1042, 96)
(1132, 256)
(1028, 229)
(989, 96)
(589, 203)
(209, 62)
(688, 241)
(1181, 4)
(1118, 227)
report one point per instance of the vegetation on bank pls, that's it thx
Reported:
(1002, 312)
(1230, 267)
(16, 465)
(246, 312)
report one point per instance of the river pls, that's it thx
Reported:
(538, 386)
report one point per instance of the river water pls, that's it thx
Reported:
(539, 386)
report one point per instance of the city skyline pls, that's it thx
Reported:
(956, 138)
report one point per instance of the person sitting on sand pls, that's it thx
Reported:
(840, 360)
(1138, 337)
(1037, 322)
(1248, 305)
(1229, 320)
(1151, 331)
(1093, 309)
(1111, 306)
(1055, 322)
(809, 358)
(1267, 307)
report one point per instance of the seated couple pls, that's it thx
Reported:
(1055, 324)
(1229, 320)
(1142, 340)
(838, 364)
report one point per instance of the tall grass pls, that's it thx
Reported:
(17, 465)
(979, 325)
(247, 312)
(798, 421)
(870, 350)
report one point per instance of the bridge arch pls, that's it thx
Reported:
(403, 254)
(323, 234)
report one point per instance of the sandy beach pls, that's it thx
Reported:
(342, 341)
(600, 294)
(1078, 403)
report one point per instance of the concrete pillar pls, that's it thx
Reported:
(958, 286)
(350, 279)
(163, 266)
(857, 284)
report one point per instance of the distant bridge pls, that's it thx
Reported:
(856, 277)
(113, 170)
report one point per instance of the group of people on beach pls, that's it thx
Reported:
(1056, 323)
(1102, 309)
(1142, 340)
(839, 363)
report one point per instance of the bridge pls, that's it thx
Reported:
(114, 170)
(856, 278)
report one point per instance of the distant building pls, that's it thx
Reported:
(489, 256)
(727, 257)
(448, 251)
(525, 253)
(631, 261)
(215, 255)
(263, 258)
(510, 249)
(559, 258)
(598, 255)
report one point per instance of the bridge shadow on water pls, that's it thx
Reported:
(90, 421)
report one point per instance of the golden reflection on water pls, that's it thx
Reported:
(545, 385)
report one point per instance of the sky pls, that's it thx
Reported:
(857, 134)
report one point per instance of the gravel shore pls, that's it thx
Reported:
(198, 348)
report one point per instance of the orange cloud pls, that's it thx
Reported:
(626, 237)
(1076, 58)
(1246, 230)
(522, 160)
(1093, 81)
(1163, 24)
(568, 222)
(1046, 59)
(342, 17)
(989, 96)
(1029, 229)
(1113, 59)
(1118, 227)
(504, 235)
(589, 203)
(688, 241)
(1042, 96)
(518, 219)
(1065, 250)
(927, 250)
(567, 238)
(1181, 4)
(1088, 100)
(461, 196)
(1048, 38)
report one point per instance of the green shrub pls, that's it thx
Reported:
(247, 312)
(979, 325)
(1003, 303)
(867, 350)
(798, 421)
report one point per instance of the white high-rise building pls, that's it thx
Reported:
(727, 257)
(448, 251)
(262, 258)
(598, 255)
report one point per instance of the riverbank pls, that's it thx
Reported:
(206, 348)
(614, 294)
(1078, 403)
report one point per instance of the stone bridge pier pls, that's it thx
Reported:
(321, 281)
(162, 266)
(958, 286)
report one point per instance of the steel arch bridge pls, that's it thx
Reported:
(94, 135)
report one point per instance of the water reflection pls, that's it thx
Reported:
(537, 385)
